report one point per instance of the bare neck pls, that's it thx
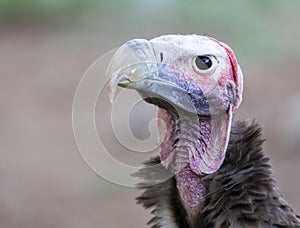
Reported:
(180, 140)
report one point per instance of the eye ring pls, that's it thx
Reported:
(204, 64)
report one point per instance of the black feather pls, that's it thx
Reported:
(242, 193)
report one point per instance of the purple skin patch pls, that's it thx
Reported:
(195, 93)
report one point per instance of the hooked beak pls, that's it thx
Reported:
(137, 65)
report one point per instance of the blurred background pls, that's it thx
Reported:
(47, 45)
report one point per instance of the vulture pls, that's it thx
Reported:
(211, 172)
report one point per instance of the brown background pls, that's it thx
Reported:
(44, 51)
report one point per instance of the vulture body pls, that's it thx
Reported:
(210, 173)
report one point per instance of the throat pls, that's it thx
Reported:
(192, 147)
(182, 142)
(191, 192)
(188, 152)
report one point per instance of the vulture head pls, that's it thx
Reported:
(197, 84)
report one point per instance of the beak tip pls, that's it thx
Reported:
(124, 83)
(112, 89)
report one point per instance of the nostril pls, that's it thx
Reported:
(161, 57)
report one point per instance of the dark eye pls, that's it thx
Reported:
(204, 63)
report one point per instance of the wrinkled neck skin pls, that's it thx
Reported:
(184, 141)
